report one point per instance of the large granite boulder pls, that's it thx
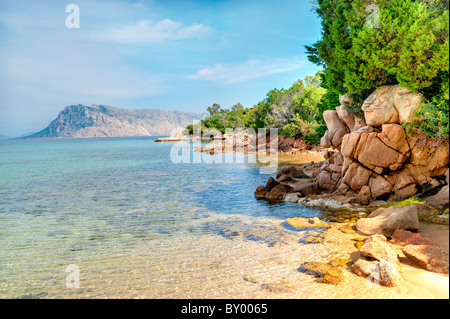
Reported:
(390, 104)
(386, 220)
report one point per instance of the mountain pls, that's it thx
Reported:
(82, 121)
(3, 137)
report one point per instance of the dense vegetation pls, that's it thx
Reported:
(296, 112)
(367, 44)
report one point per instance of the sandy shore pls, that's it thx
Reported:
(417, 282)
(301, 158)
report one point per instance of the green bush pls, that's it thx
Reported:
(432, 118)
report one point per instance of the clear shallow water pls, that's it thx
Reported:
(136, 224)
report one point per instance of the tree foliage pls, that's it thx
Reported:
(403, 42)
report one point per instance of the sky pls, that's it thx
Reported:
(168, 54)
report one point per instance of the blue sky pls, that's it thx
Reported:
(172, 54)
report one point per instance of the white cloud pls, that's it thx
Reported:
(145, 32)
(233, 73)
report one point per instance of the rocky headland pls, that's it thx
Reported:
(81, 121)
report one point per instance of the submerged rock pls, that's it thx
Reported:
(300, 222)
(325, 272)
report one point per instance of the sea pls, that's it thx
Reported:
(118, 218)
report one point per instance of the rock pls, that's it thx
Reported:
(307, 188)
(325, 140)
(292, 171)
(431, 258)
(390, 104)
(336, 128)
(365, 268)
(387, 149)
(356, 176)
(291, 197)
(382, 273)
(379, 186)
(394, 136)
(372, 151)
(261, 192)
(286, 144)
(301, 222)
(325, 181)
(403, 237)
(433, 159)
(440, 200)
(389, 276)
(284, 178)
(325, 272)
(299, 144)
(375, 238)
(335, 168)
(379, 251)
(402, 180)
(345, 116)
(386, 221)
(271, 183)
(336, 158)
(404, 193)
(279, 192)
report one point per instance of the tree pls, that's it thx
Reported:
(214, 109)
(409, 47)
(237, 107)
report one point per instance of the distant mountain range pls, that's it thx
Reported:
(81, 121)
(3, 137)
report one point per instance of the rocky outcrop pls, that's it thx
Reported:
(80, 121)
(375, 158)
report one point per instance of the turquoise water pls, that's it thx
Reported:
(134, 223)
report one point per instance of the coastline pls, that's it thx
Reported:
(416, 282)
